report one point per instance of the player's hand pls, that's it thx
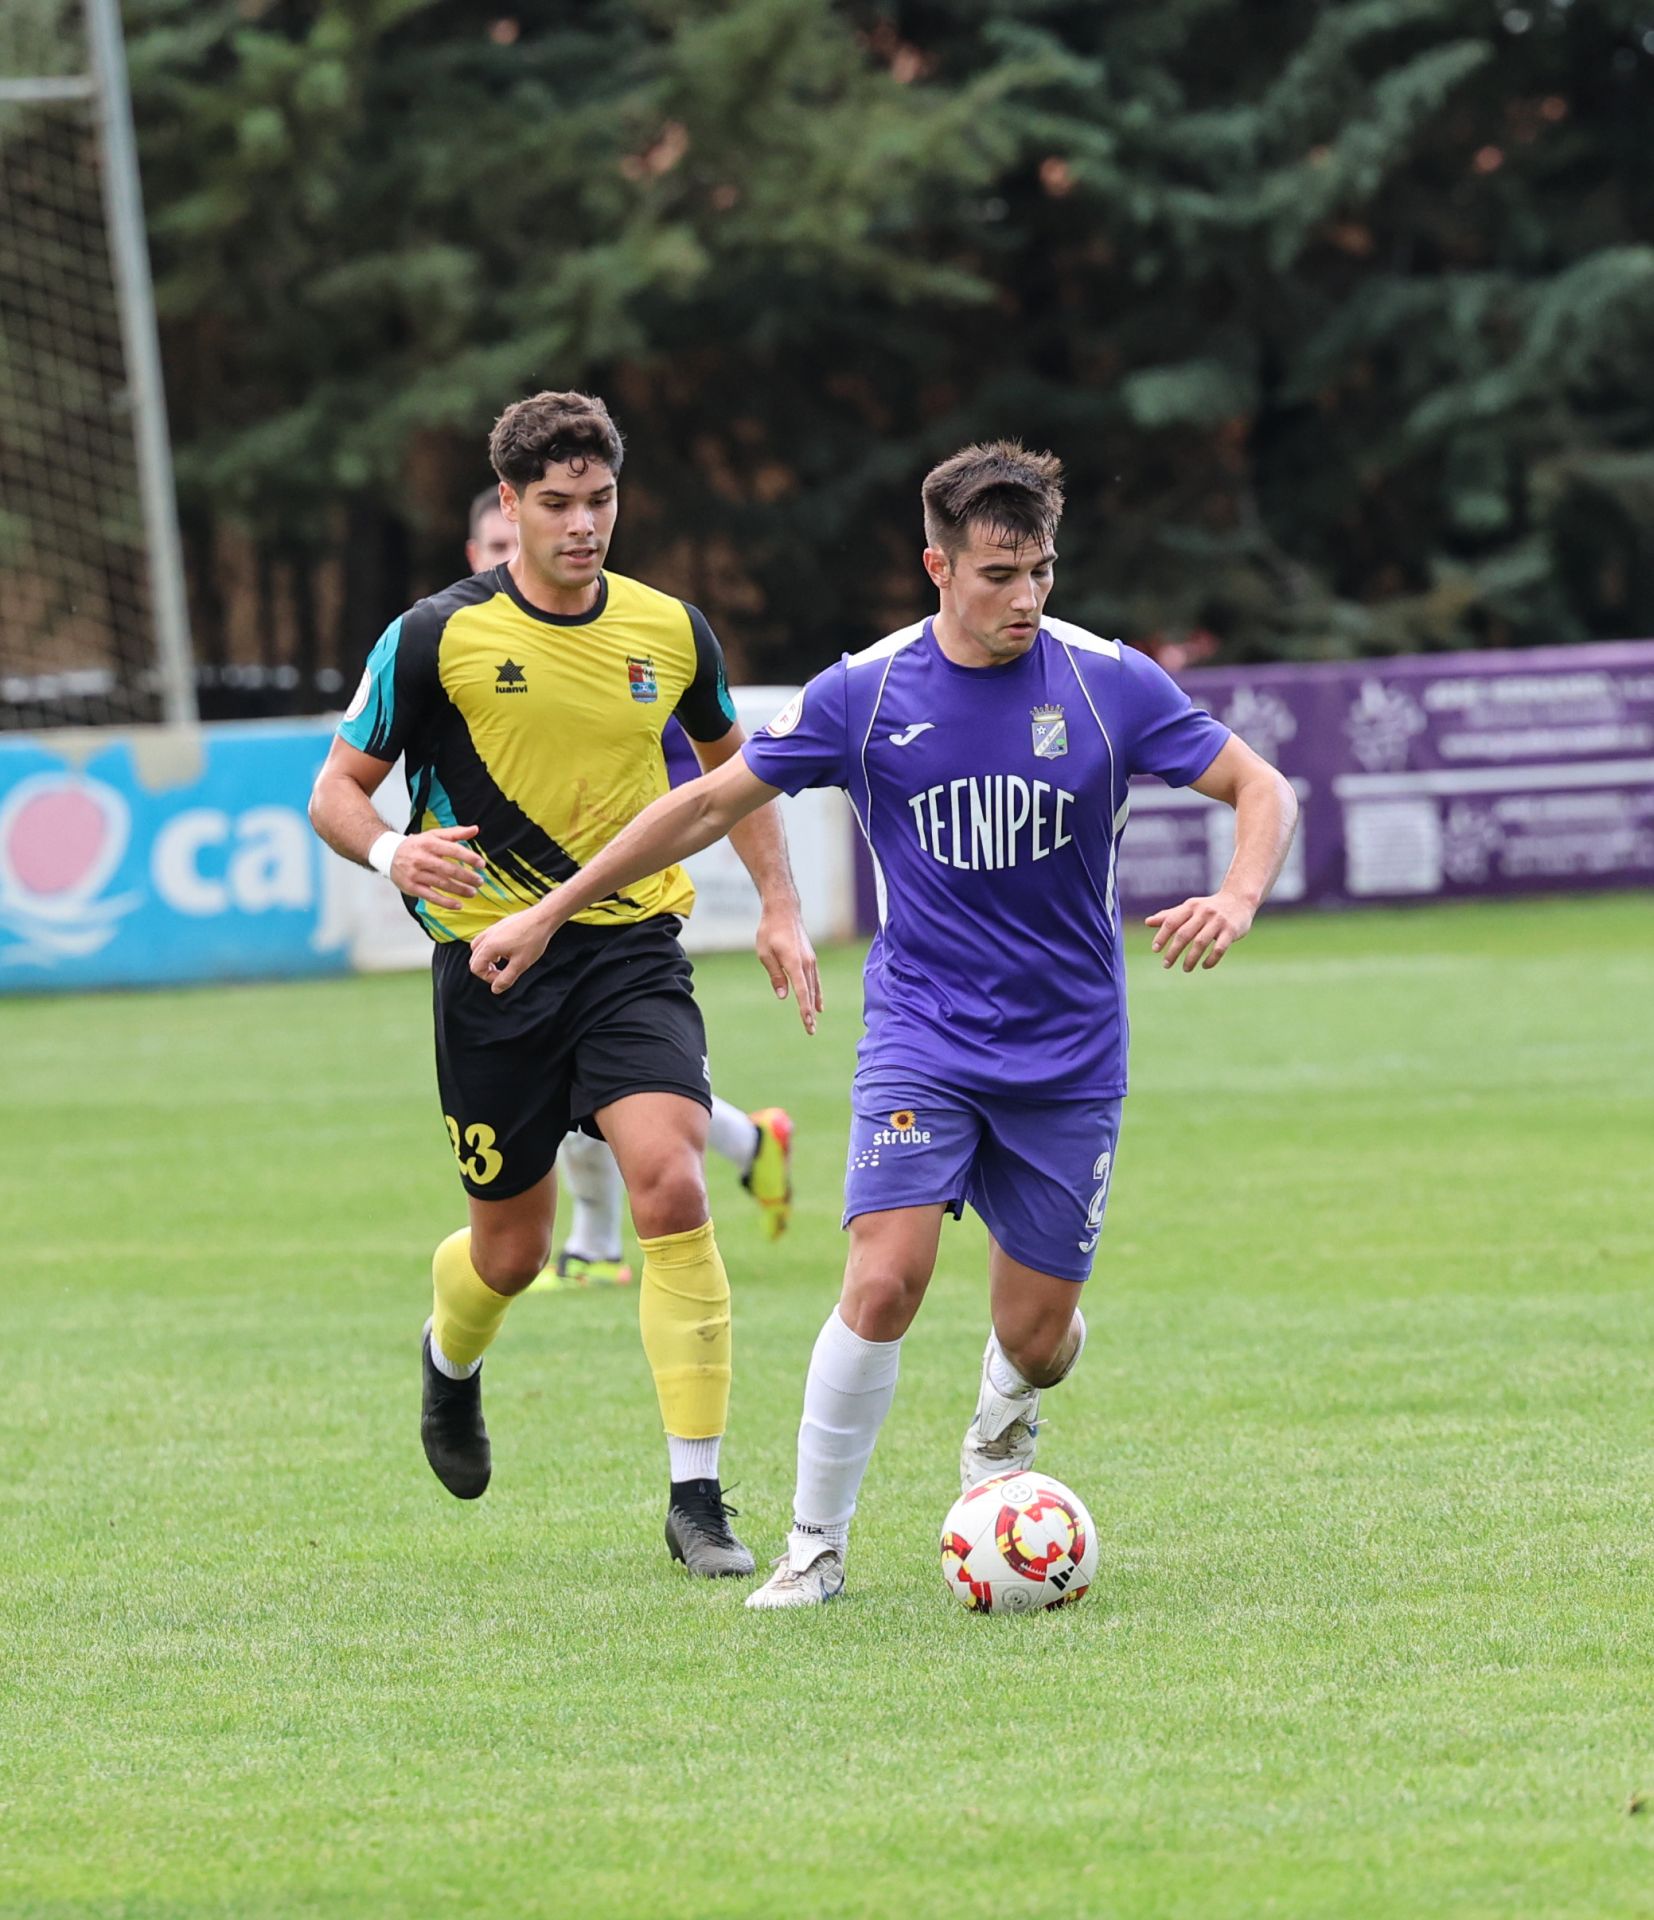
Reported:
(790, 961)
(438, 866)
(503, 953)
(1209, 925)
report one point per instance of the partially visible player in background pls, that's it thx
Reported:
(759, 1146)
(492, 541)
(988, 752)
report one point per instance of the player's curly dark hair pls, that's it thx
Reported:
(549, 429)
(997, 484)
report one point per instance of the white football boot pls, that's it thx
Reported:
(1003, 1432)
(812, 1585)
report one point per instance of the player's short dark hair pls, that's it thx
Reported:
(486, 502)
(549, 429)
(997, 484)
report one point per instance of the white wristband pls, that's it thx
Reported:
(383, 851)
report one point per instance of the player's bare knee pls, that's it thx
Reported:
(669, 1197)
(880, 1304)
(508, 1262)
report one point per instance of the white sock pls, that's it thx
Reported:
(587, 1169)
(443, 1364)
(1002, 1376)
(732, 1135)
(847, 1394)
(693, 1459)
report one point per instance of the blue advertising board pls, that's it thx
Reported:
(138, 859)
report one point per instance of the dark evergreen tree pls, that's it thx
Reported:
(1340, 314)
(1360, 301)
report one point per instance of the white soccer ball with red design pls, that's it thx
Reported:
(1017, 1542)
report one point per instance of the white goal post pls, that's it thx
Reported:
(93, 617)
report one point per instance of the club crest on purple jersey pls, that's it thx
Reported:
(1050, 733)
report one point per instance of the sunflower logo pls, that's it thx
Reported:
(904, 1120)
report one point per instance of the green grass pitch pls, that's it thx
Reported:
(1366, 1422)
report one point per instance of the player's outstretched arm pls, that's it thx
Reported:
(1266, 811)
(783, 944)
(678, 824)
(437, 866)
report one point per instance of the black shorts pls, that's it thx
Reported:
(607, 1011)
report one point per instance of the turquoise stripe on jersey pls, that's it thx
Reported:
(369, 730)
(436, 798)
(432, 925)
(437, 802)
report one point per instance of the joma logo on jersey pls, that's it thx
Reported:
(640, 674)
(510, 678)
(904, 1131)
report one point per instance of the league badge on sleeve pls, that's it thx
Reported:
(787, 718)
(1050, 733)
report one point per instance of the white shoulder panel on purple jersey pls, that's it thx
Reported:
(883, 649)
(1073, 636)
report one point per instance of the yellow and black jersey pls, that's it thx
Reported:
(542, 730)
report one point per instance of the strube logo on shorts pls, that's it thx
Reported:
(62, 835)
(904, 1131)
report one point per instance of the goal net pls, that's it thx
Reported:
(91, 627)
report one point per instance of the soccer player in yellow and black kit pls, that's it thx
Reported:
(528, 703)
(758, 1145)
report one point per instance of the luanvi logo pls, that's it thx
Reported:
(510, 678)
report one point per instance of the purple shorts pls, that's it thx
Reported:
(1036, 1171)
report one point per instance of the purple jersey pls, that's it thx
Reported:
(993, 799)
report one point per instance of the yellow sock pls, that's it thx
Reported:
(468, 1311)
(683, 1308)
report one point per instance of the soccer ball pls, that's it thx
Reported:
(1017, 1542)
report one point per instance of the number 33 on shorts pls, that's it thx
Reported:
(485, 1160)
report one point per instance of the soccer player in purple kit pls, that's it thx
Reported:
(987, 752)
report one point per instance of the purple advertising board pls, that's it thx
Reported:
(1434, 776)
